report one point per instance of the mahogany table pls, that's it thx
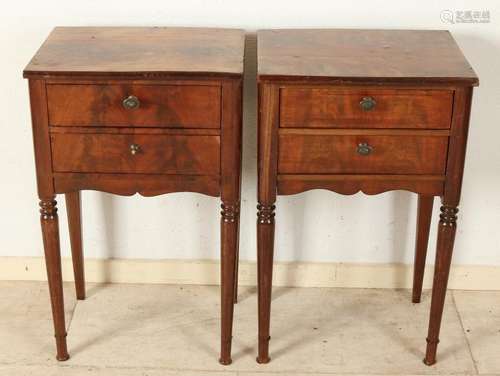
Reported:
(363, 110)
(137, 110)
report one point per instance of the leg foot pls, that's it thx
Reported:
(62, 351)
(430, 354)
(263, 356)
(263, 360)
(225, 361)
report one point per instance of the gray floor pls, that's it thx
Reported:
(174, 330)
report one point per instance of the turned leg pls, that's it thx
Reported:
(424, 216)
(265, 250)
(73, 207)
(229, 242)
(50, 232)
(444, 250)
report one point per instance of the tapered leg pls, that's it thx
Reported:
(265, 251)
(237, 258)
(266, 194)
(425, 204)
(50, 232)
(229, 242)
(73, 207)
(444, 251)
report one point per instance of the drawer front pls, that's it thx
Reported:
(360, 108)
(127, 153)
(339, 154)
(172, 106)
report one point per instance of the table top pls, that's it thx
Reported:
(139, 51)
(423, 56)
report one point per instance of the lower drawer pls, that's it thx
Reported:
(362, 154)
(135, 153)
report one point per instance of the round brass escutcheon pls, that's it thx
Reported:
(364, 149)
(367, 103)
(131, 102)
(134, 149)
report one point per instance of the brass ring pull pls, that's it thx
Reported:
(364, 149)
(134, 149)
(131, 102)
(367, 103)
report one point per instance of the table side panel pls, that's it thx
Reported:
(346, 184)
(144, 184)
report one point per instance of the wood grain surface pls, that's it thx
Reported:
(175, 106)
(139, 51)
(158, 154)
(350, 55)
(320, 107)
(326, 154)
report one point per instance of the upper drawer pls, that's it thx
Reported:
(136, 153)
(365, 108)
(172, 106)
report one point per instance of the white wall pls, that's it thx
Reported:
(315, 226)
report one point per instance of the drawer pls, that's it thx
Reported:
(172, 106)
(362, 154)
(365, 108)
(135, 153)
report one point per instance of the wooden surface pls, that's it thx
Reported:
(311, 83)
(349, 55)
(341, 108)
(175, 106)
(348, 184)
(157, 154)
(326, 154)
(146, 185)
(139, 51)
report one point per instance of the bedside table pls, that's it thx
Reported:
(137, 110)
(363, 110)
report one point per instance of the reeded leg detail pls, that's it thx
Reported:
(265, 250)
(229, 241)
(424, 216)
(444, 251)
(50, 230)
(73, 207)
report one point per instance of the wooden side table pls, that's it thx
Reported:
(363, 110)
(137, 110)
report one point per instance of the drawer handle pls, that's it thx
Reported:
(131, 102)
(367, 103)
(134, 149)
(364, 149)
